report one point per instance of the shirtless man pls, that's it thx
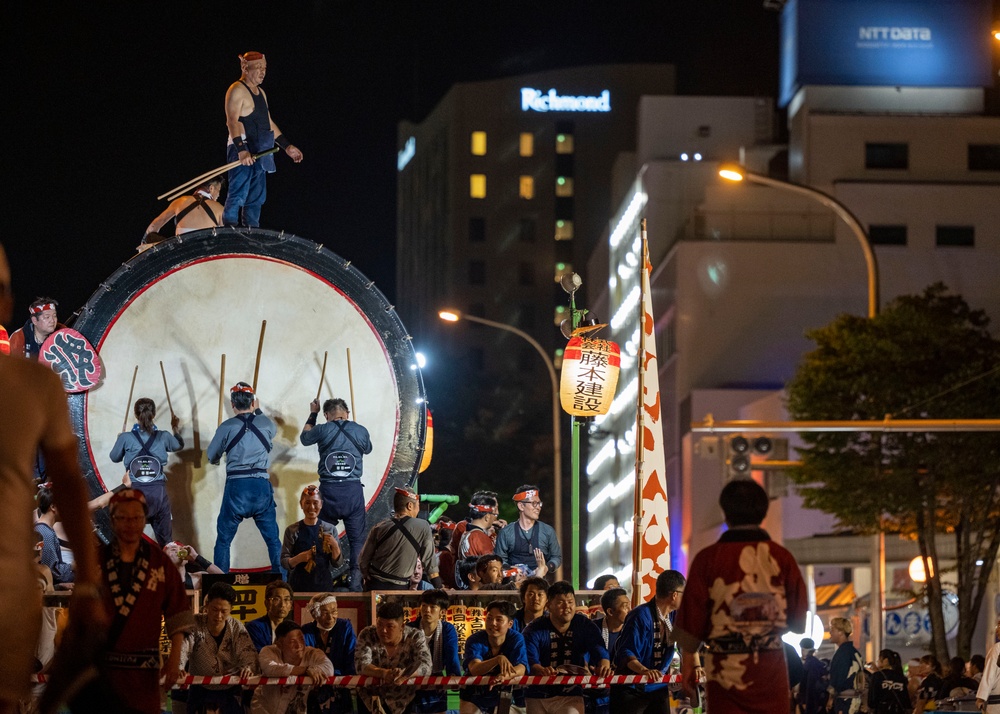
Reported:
(191, 213)
(251, 131)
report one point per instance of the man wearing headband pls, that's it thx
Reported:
(527, 541)
(394, 546)
(141, 586)
(35, 418)
(246, 441)
(196, 212)
(334, 636)
(251, 131)
(478, 539)
(42, 322)
(342, 446)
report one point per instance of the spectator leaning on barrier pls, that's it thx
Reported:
(391, 652)
(497, 651)
(563, 642)
(646, 647)
(335, 637)
(218, 645)
(278, 601)
(442, 642)
(289, 657)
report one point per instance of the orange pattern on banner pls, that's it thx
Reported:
(654, 546)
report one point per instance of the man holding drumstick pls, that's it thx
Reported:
(246, 439)
(251, 131)
(342, 446)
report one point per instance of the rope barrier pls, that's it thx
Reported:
(353, 681)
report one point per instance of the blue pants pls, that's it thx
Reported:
(159, 516)
(246, 193)
(247, 498)
(345, 501)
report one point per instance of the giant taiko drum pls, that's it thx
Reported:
(187, 302)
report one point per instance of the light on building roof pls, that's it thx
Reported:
(684, 157)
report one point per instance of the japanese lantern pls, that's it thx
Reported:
(589, 376)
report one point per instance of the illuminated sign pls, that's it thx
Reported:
(534, 100)
(884, 43)
(406, 154)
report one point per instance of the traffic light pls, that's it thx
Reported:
(740, 449)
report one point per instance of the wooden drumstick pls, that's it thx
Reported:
(207, 176)
(167, 390)
(222, 386)
(350, 381)
(322, 376)
(128, 407)
(260, 347)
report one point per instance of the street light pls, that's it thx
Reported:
(732, 172)
(452, 315)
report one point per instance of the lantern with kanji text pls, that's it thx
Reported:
(589, 375)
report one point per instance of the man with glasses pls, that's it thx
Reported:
(278, 600)
(646, 647)
(390, 554)
(527, 542)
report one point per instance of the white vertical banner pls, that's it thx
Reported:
(651, 540)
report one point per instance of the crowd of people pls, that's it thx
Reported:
(725, 619)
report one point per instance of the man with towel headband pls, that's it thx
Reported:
(251, 131)
(527, 541)
(246, 439)
(27, 342)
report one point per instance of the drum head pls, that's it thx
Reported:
(190, 300)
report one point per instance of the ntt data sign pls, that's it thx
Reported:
(535, 100)
(896, 43)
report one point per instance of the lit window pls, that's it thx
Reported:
(563, 269)
(477, 185)
(479, 143)
(564, 186)
(527, 187)
(564, 230)
(527, 144)
(564, 143)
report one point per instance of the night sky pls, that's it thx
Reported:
(106, 109)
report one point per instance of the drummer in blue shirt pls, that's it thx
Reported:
(144, 450)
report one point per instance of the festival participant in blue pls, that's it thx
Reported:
(246, 441)
(144, 450)
(310, 549)
(497, 651)
(278, 600)
(335, 637)
(342, 446)
(442, 641)
(527, 542)
(887, 692)
(251, 131)
(646, 647)
(616, 605)
(564, 642)
(847, 668)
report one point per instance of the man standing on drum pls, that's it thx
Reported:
(251, 131)
(342, 446)
(246, 440)
(144, 450)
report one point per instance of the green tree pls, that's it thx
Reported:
(925, 356)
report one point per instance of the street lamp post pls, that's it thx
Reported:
(454, 316)
(738, 173)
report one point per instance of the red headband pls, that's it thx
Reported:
(408, 493)
(242, 388)
(525, 495)
(483, 508)
(310, 489)
(251, 56)
(129, 494)
(39, 309)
